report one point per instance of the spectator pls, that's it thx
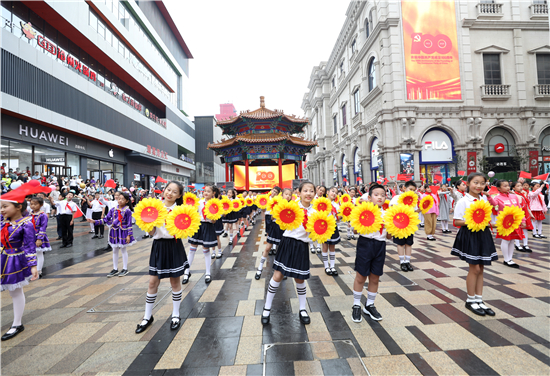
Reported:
(12, 175)
(36, 176)
(3, 169)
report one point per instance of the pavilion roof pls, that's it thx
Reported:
(256, 138)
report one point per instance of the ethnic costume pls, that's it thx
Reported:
(18, 253)
(120, 221)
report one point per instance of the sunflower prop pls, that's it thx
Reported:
(191, 200)
(226, 205)
(366, 218)
(386, 205)
(236, 205)
(273, 202)
(243, 202)
(213, 209)
(322, 204)
(262, 201)
(426, 203)
(345, 211)
(509, 220)
(321, 226)
(345, 199)
(408, 198)
(478, 215)
(249, 201)
(401, 221)
(183, 221)
(150, 213)
(294, 197)
(288, 215)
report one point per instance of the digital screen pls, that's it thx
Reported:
(263, 177)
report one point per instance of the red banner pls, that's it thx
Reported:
(534, 162)
(471, 161)
(404, 177)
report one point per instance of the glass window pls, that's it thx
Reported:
(20, 14)
(543, 69)
(344, 119)
(119, 168)
(19, 156)
(491, 69)
(356, 101)
(73, 161)
(101, 29)
(372, 74)
(335, 124)
(353, 46)
(367, 28)
(49, 156)
(93, 21)
(105, 166)
(92, 167)
(109, 36)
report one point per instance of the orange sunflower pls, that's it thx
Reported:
(213, 209)
(150, 213)
(321, 226)
(426, 203)
(288, 215)
(509, 220)
(183, 221)
(408, 198)
(401, 221)
(366, 218)
(191, 199)
(322, 204)
(345, 211)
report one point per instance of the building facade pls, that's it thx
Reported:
(97, 89)
(227, 110)
(395, 100)
(209, 168)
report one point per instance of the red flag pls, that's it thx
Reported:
(223, 186)
(160, 180)
(158, 191)
(78, 213)
(542, 177)
(461, 173)
(392, 177)
(434, 189)
(110, 184)
(493, 191)
(523, 174)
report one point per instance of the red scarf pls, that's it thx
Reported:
(33, 222)
(5, 235)
(119, 216)
(304, 223)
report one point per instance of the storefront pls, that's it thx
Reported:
(500, 151)
(345, 180)
(358, 177)
(436, 157)
(544, 165)
(376, 162)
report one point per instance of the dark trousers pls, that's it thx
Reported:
(59, 232)
(66, 228)
(96, 216)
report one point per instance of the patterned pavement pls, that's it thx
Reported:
(77, 321)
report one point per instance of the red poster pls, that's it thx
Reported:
(471, 162)
(534, 162)
(431, 50)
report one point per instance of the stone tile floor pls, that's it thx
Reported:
(79, 322)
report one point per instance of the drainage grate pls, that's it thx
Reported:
(128, 300)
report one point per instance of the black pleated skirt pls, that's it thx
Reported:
(477, 248)
(268, 222)
(231, 217)
(218, 227)
(292, 258)
(205, 236)
(168, 258)
(274, 234)
(335, 238)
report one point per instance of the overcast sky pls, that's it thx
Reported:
(244, 49)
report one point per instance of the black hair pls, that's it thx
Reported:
(410, 183)
(512, 185)
(277, 189)
(474, 174)
(287, 189)
(179, 200)
(304, 183)
(234, 193)
(426, 186)
(216, 191)
(128, 199)
(532, 184)
(458, 182)
(500, 182)
(353, 189)
(40, 200)
(376, 186)
(23, 206)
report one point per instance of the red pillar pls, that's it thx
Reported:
(299, 169)
(280, 173)
(246, 176)
(227, 177)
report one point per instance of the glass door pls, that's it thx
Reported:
(96, 175)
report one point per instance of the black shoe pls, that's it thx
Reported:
(230, 241)
(213, 256)
(511, 264)
(328, 271)
(475, 308)
(219, 256)
(265, 319)
(488, 311)
(537, 236)
(318, 250)
(238, 235)
(185, 278)
(175, 324)
(334, 272)
(145, 236)
(527, 249)
(356, 314)
(18, 329)
(141, 328)
(95, 236)
(58, 238)
(404, 267)
(258, 275)
(421, 225)
(349, 237)
(225, 235)
(519, 248)
(304, 319)
(270, 253)
(372, 312)
(113, 273)
(63, 246)
(69, 245)
(123, 272)
(207, 278)
(542, 236)
(312, 250)
(409, 267)
(431, 239)
(101, 236)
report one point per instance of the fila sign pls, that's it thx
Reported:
(437, 147)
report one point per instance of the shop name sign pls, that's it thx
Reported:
(43, 135)
(156, 152)
(435, 146)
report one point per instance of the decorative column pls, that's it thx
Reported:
(299, 169)
(227, 171)
(280, 173)
(246, 184)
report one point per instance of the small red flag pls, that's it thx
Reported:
(461, 173)
(160, 180)
(523, 174)
(78, 213)
(543, 177)
(434, 189)
(110, 184)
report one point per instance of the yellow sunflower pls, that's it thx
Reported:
(509, 220)
(322, 204)
(191, 199)
(321, 226)
(262, 201)
(345, 198)
(243, 202)
(213, 209)
(294, 197)
(345, 211)
(226, 205)
(236, 205)
(183, 221)
(401, 221)
(273, 202)
(288, 215)
(386, 205)
(478, 215)
(408, 198)
(366, 218)
(249, 201)
(150, 213)
(426, 203)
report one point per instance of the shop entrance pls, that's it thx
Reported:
(56, 170)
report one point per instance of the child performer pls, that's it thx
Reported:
(231, 219)
(39, 220)
(524, 203)
(275, 233)
(352, 194)
(253, 209)
(330, 244)
(167, 260)
(444, 208)
(218, 228)
(422, 192)
(503, 199)
(430, 218)
(18, 258)
(320, 192)
(536, 200)
(121, 235)
(475, 247)
(98, 213)
(292, 259)
(369, 261)
(404, 246)
(245, 213)
(205, 237)
(268, 219)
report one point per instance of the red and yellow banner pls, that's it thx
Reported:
(431, 50)
(263, 177)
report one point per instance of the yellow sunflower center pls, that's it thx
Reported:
(320, 227)
(182, 221)
(288, 216)
(478, 216)
(401, 220)
(366, 219)
(149, 214)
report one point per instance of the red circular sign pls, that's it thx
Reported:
(347, 211)
(287, 216)
(401, 220)
(408, 200)
(499, 148)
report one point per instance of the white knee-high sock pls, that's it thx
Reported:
(190, 259)
(301, 289)
(332, 258)
(325, 259)
(206, 253)
(271, 291)
(18, 299)
(510, 251)
(261, 266)
(539, 223)
(92, 227)
(124, 252)
(39, 260)
(149, 304)
(536, 227)
(176, 302)
(445, 225)
(115, 258)
(526, 237)
(504, 245)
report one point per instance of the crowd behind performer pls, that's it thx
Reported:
(39, 220)
(538, 208)
(274, 231)
(218, 228)
(292, 259)
(66, 209)
(475, 247)
(18, 258)
(205, 237)
(430, 218)
(524, 203)
(329, 248)
(230, 220)
(404, 246)
(369, 260)
(444, 208)
(167, 260)
(504, 199)
(321, 191)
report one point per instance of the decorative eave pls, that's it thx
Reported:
(493, 49)
(254, 138)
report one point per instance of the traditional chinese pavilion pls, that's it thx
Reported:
(264, 149)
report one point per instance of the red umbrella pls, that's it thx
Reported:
(160, 180)
(158, 191)
(110, 183)
(190, 186)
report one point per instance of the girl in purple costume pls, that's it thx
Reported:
(39, 220)
(18, 258)
(121, 234)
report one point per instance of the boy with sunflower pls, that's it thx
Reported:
(404, 246)
(369, 260)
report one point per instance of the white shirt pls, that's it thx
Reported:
(337, 207)
(300, 233)
(161, 232)
(65, 207)
(55, 195)
(46, 208)
(97, 207)
(72, 183)
(464, 203)
(395, 201)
